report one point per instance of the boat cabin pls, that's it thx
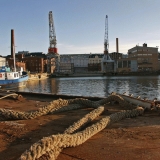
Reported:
(9, 75)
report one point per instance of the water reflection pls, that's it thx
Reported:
(54, 85)
(97, 86)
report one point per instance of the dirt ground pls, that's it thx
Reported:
(132, 138)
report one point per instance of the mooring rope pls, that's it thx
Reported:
(51, 146)
(8, 95)
(59, 105)
(55, 143)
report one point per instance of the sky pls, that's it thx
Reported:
(79, 25)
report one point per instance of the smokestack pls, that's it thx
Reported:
(117, 47)
(12, 44)
(13, 49)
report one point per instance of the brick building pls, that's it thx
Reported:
(35, 62)
(18, 63)
(116, 55)
(147, 57)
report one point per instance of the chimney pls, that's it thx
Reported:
(145, 45)
(12, 44)
(117, 47)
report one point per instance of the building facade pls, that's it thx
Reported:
(94, 63)
(2, 61)
(147, 57)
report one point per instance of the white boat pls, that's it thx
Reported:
(12, 79)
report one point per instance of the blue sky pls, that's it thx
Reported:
(79, 24)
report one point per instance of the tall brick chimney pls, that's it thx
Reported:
(117, 47)
(12, 44)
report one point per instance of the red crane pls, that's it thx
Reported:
(52, 36)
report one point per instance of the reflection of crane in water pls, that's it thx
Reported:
(54, 86)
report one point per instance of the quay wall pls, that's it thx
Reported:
(105, 74)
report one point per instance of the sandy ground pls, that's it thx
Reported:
(133, 138)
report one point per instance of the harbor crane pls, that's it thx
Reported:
(106, 41)
(107, 61)
(53, 57)
(52, 36)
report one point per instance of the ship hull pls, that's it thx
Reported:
(15, 83)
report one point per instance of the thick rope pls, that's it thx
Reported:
(55, 143)
(59, 105)
(9, 95)
(77, 125)
(86, 119)
(51, 146)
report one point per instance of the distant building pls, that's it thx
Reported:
(2, 61)
(35, 54)
(35, 64)
(23, 52)
(147, 57)
(115, 55)
(95, 60)
(19, 64)
(126, 65)
(78, 61)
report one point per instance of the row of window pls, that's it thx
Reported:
(139, 54)
(144, 54)
(95, 61)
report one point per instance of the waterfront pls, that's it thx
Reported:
(145, 86)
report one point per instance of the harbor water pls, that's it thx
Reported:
(144, 86)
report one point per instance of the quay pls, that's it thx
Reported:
(28, 120)
(100, 74)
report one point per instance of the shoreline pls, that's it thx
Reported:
(102, 74)
(45, 75)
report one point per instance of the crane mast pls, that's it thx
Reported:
(106, 41)
(53, 57)
(52, 36)
(107, 62)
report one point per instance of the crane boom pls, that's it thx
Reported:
(52, 35)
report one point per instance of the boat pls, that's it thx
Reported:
(12, 79)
